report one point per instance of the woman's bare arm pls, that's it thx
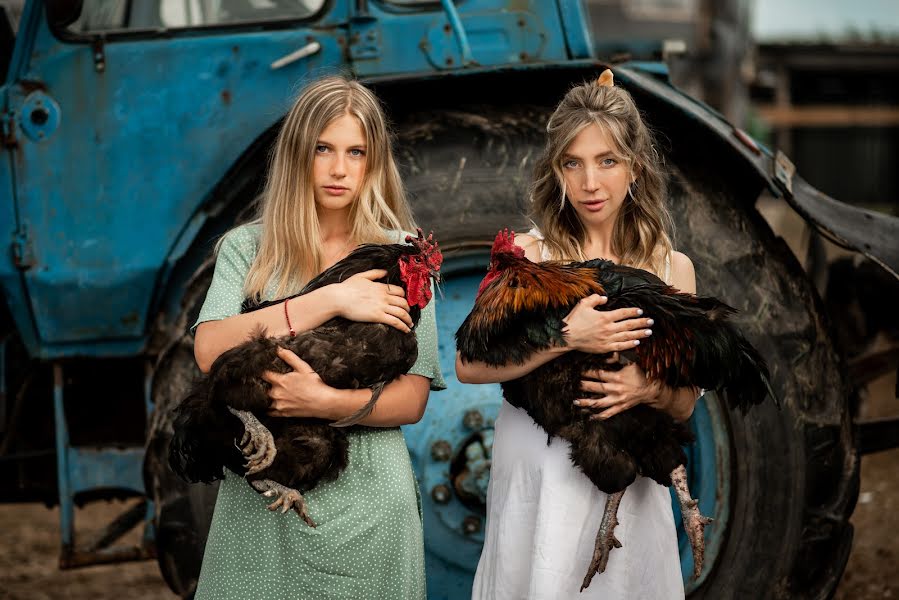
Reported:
(478, 372)
(628, 387)
(586, 329)
(302, 393)
(359, 298)
(677, 402)
(213, 338)
(680, 402)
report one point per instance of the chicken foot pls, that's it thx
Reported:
(257, 443)
(605, 539)
(287, 498)
(694, 522)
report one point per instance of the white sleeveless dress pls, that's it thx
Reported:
(542, 519)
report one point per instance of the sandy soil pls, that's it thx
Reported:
(29, 555)
(871, 572)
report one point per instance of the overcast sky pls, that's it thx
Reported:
(824, 19)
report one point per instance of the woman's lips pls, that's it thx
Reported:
(335, 190)
(594, 205)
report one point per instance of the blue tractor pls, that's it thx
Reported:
(135, 133)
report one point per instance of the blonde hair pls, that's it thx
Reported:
(290, 248)
(642, 234)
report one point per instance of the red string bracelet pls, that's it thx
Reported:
(290, 328)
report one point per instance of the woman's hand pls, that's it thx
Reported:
(302, 393)
(600, 332)
(360, 298)
(297, 393)
(622, 390)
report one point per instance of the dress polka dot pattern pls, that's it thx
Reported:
(368, 542)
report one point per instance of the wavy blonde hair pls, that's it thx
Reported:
(290, 249)
(643, 232)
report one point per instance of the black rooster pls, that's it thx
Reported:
(223, 422)
(519, 310)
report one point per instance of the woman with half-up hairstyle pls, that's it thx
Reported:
(598, 192)
(332, 184)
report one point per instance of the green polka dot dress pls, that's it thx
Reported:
(368, 542)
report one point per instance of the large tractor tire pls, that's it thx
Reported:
(781, 482)
(183, 512)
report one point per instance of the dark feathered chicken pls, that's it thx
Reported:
(223, 422)
(519, 311)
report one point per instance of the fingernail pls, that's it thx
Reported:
(650, 322)
(603, 298)
(639, 311)
(636, 342)
(577, 402)
(649, 332)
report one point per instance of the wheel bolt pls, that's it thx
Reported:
(441, 494)
(473, 420)
(471, 524)
(441, 450)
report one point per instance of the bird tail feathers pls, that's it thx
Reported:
(203, 440)
(364, 411)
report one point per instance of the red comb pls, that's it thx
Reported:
(425, 244)
(505, 244)
(428, 247)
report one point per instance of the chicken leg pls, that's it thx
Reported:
(605, 539)
(694, 522)
(287, 498)
(257, 444)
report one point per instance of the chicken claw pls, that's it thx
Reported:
(694, 522)
(287, 498)
(605, 539)
(257, 443)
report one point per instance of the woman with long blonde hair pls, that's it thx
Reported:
(598, 192)
(332, 184)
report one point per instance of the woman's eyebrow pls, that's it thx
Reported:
(330, 145)
(567, 156)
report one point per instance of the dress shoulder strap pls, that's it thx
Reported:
(667, 277)
(544, 251)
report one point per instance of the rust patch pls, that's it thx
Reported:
(747, 141)
(8, 130)
(226, 97)
(130, 318)
(32, 85)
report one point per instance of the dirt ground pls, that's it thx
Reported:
(29, 555)
(871, 572)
